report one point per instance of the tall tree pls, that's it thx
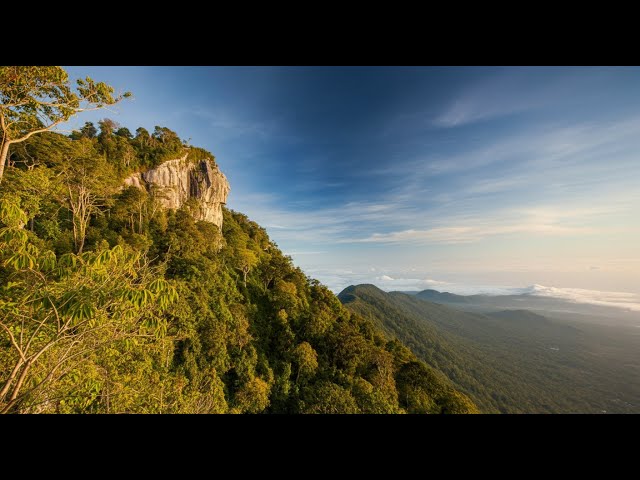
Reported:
(89, 182)
(124, 132)
(36, 99)
(107, 127)
(57, 312)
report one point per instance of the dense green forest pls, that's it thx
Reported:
(512, 361)
(112, 304)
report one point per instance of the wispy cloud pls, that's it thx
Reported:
(552, 181)
(508, 92)
(552, 148)
(468, 234)
(543, 220)
(492, 98)
(230, 124)
(556, 162)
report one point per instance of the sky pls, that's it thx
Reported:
(462, 179)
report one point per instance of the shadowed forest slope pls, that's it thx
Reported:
(511, 361)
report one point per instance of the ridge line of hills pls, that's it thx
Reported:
(513, 360)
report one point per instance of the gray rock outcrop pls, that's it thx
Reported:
(176, 181)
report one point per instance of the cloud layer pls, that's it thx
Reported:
(625, 300)
(450, 171)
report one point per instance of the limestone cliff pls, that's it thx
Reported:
(176, 181)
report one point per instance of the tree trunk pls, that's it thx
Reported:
(7, 385)
(81, 245)
(4, 153)
(21, 379)
(16, 390)
(80, 217)
(79, 231)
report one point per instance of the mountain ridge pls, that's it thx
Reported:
(509, 361)
(530, 299)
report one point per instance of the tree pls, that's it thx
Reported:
(166, 136)
(307, 359)
(125, 154)
(37, 188)
(253, 397)
(143, 137)
(246, 259)
(37, 99)
(107, 127)
(88, 179)
(327, 397)
(57, 312)
(130, 208)
(89, 130)
(124, 132)
(420, 390)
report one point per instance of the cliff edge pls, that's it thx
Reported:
(174, 182)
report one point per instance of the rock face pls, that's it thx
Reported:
(176, 181)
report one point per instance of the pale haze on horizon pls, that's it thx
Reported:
(474, 179)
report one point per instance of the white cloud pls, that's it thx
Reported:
(468, 234)
(387, 282)
(625, 300)
(430, 281)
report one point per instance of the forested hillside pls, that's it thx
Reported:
(110, 303)
(511, 361)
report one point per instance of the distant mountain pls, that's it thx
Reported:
(442, 297)
(531, 300)
(512, 361)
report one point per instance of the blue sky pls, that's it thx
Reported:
(418, 177)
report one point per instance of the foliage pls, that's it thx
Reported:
(503, 361)
(187, 332)
(58, 311)
(36, 99)
(112, 304)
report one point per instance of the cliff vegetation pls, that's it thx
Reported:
(111, 301)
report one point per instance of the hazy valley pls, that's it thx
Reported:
(514, 360)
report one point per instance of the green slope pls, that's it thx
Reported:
(246, 331)
(511, 361)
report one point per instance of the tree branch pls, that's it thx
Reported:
(40, 130)
(13, 341)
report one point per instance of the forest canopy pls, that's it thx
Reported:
(111, 304)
